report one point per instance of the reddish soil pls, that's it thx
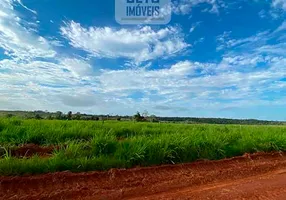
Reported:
(258, 176)
(29, 150)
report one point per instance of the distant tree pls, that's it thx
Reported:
(93, 117)
(49, 117)
(27, 116)
(84, 117)
(145, 114)
(77, 116)
(153, 118)
(9, 115)
(118, 118)
(138, 117)
(59, 115)
(69, 115)
(37, 116)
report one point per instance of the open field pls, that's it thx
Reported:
(93, 145)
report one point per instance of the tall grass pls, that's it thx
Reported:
(91, 145)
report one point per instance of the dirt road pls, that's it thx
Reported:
(258, 176)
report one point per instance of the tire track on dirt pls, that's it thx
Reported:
(160, 182)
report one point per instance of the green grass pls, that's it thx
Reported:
(92, 145)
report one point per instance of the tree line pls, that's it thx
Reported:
(138, 117)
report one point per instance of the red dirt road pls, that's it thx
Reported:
(259, 176)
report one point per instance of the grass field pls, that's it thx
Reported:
(94, 145)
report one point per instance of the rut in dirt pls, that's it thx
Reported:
(29, 150)
(183, 181)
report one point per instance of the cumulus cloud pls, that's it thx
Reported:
(181, 86)
(138, 44)
(33, 78)
(178, 85)
(250, 69)
(130, 79)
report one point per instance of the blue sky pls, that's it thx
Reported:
(216, 58)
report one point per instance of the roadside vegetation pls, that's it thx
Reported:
(101, 145)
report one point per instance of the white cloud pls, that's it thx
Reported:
(32, 78)
(282, 27)
(262, 14)
(120, 80)
(243, 77)
(192, 29)
(198, 85)
(41, 72)
(279, 4)
(18, 41)
(78, 68)
(256, 44)
(184, 85)
(44, 85)
(138, 45)
(82, 98)
(239, 60)
(184, 7)
(20, 2)
(278, 49)
(225, 41)
(194, 26)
